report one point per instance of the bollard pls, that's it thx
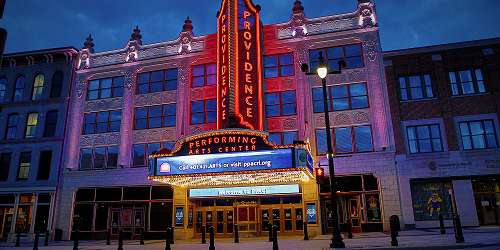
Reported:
(306, 234)
(349, 229)
(212, 238)
(167, 240)
(47, 236)
(120, 240)
(18, 239)
(275, 238)
(441, 224)
(203, 236)
(76, 235)
(394, 223)
(270, 226)
(37, 238)
(141, 241)
(236, 235)
(172, 235)
(459, 236)
(108, 237)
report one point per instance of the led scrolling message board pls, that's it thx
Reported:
(239, 74)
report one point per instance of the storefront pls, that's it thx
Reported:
(487, 196)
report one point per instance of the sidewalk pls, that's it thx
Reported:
(413, 239)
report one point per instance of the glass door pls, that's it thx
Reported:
(6, 215)
(354, 213)
(276, 219)
(299, 219)
(288, 223)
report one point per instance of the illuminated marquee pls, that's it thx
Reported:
(239, 86)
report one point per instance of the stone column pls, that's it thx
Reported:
(74, 125)
(126, 129)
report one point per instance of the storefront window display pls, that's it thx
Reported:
(431, 199)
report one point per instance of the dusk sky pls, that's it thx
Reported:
(36, 24)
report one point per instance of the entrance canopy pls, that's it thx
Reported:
(231, 157)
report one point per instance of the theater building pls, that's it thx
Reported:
(34, 89)
(225, 129)
(444, 102)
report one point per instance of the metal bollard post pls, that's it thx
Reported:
(37, 238)
(459, 235)
(349, 229)
(47, 236)
(306, 234)
(441, 224)
(18, 239)
(270, 226)
(172, 235)
(167, 240)
(275, 238)
(120, 240)
(108, 237)
(212, 238)
(141, 241)
(394, 223)
(236, 234)
(203, 236)
(76, 235)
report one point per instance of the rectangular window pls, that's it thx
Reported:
(24, 166)
(105, 88)
(102, 122)
(11, 131)
(99, 157)
(283, 138)
(44, 165)
(341, 97)
(478, 134)
(467, 82)
(281, 103)
(50, 124)
(415, 87)
(5, 166)
(424, 138)
(203, 111)
(278, 65)
(155, 116)
(141, 153)
(156, 81)
(31, 124)
(346, 140)
(352, 55)
(204, 75)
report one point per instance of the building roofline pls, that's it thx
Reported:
(441, 47)
(41, 51)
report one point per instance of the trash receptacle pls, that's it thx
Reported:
(58, 234)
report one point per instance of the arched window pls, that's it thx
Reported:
(57, 83)
(11, 131)
(38, 87)
(19, 89)
(3, 89)
(31, 124)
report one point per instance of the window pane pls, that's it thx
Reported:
(211, 117)
(99, 160)
(86, 158)
(211, 105)
(478, 141)
(353, 50)
(363, 137)
(198, 81)
(321, 146)
(156, 76)
(288, 109)
(211, 69)
(139, 153)
(153, 147)
(288, 97)
(112, 157)
(289, 137)
(340, 104)
(272, 111)
(358, 89)
(196, 118)
(105, 93)
(198, 70)
(270, 72)
(141, 113)
(270, 61)
(339, 91)
(343, 140)
(464, 128)
(411, 133)
(286, 59)
(435, 133)
(286, 70)
(106, 83)
(423, 132)
(359, 102)
(143, 77)
(197, 106)
(275, 137)
(452, 77)
(428, 86)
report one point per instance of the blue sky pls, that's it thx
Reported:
(37, 24)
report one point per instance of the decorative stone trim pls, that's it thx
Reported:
(154, 135)
(100, 139)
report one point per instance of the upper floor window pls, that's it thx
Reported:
(3, 89)
(283, 138)
(346, 140)
(203, 111)
(352, 55)
(281, 103)
(155, 116)
(415, 87)
(50, 124)
(467, 82)
(424, 138)
(11, 131)
(157, 81)
(38, 87)
(141, 152)
(24, 166)
(204, 75)
(56, 84)
(99, 157)
(44, 165)
(278, 65)
(102, 122)
(5, 165)
(19, 88)
(105, 88)
(341, 97)
(478, 134)
(31, 124)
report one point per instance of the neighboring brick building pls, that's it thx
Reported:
(445, 109)
(34, 89)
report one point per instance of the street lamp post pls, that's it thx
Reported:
(322, 72)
